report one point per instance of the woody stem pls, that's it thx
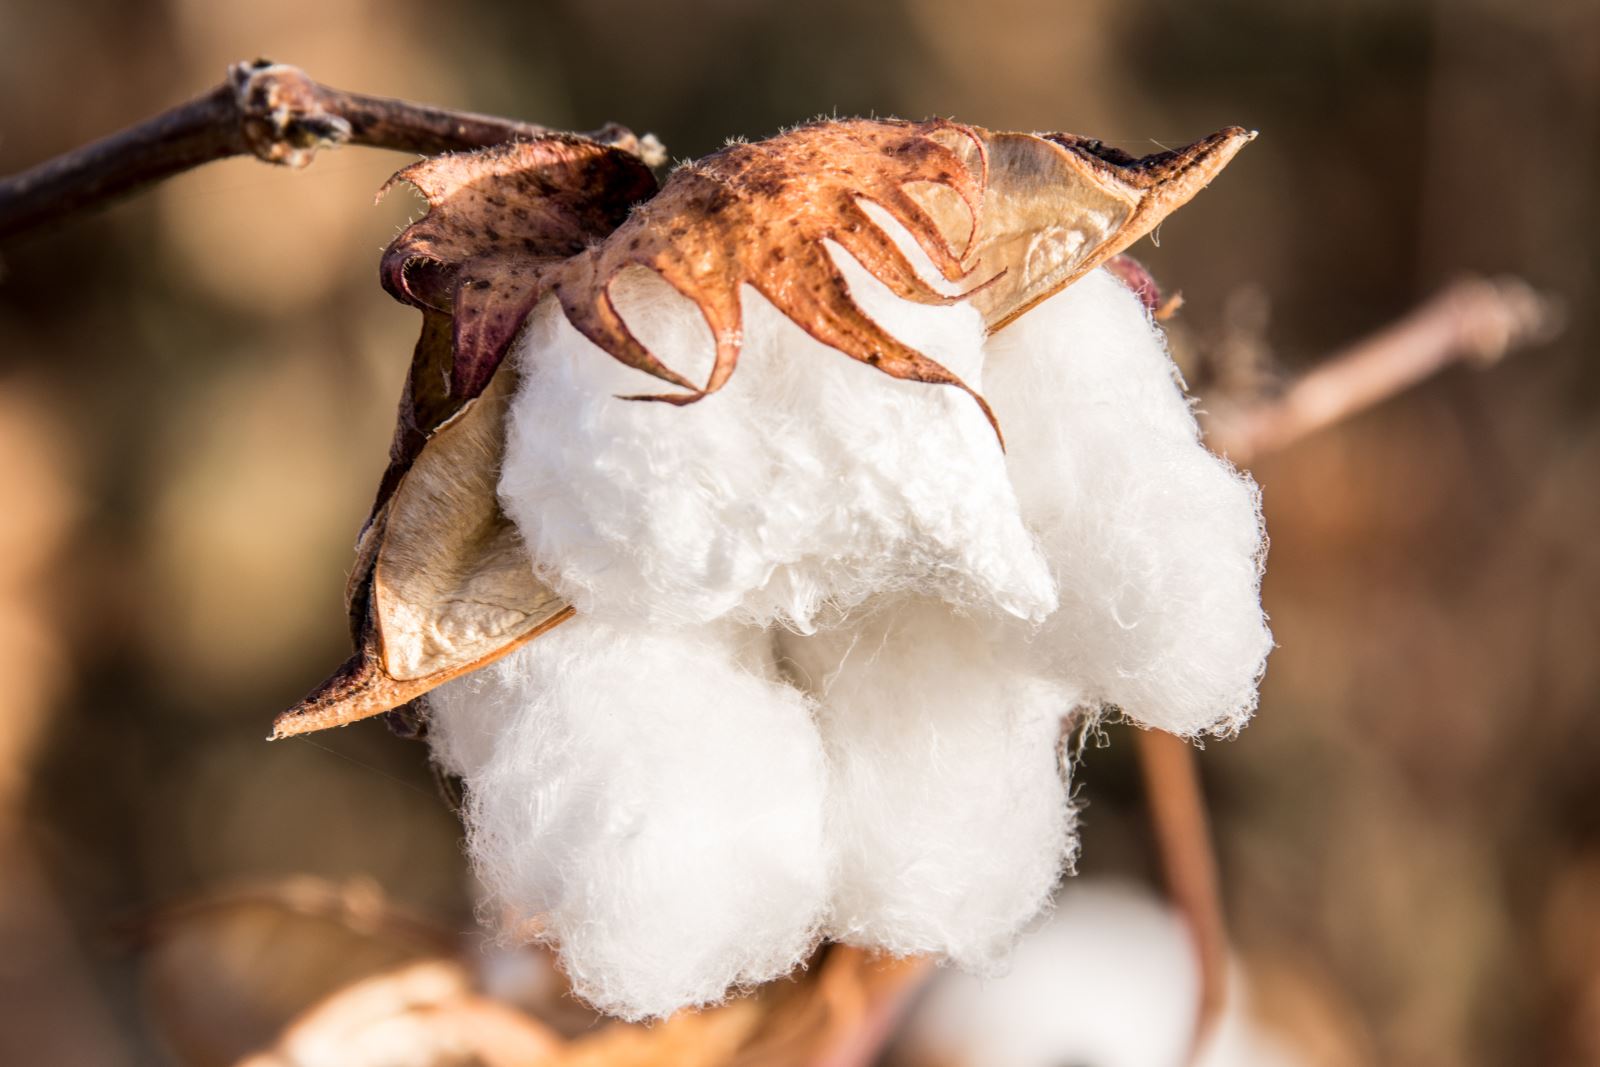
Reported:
(272, 111)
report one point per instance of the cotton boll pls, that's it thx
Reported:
(1109, 981)
(948, 814)
(652, 805)
(1156, 544)
(808, 483)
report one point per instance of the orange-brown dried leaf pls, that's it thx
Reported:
(759, 215)
(1021, 215)
(1056, 206)
(840, 1011)
(440, 584)
(429, 1009)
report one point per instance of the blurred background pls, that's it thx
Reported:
(197, 389)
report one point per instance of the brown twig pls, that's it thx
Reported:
(272, 111)
(1473, 320)
(1182, 832)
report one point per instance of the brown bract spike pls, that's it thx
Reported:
(1021, 215)
(758, 215)
(1057, 206)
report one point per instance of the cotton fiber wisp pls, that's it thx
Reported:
(820, 633)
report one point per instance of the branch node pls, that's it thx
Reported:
(282, 113)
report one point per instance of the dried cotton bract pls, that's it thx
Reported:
(827, 629)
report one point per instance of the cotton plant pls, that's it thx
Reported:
(755, 540)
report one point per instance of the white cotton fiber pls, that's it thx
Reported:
(1156, 545)
(828, 631)
(653, 805)
(948, 814)
(1109, 980)
(808, 483)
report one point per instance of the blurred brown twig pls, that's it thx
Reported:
(269, 110)
(1475, 320)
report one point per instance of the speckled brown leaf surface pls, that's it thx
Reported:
(1018, 216)
(441, 584)
(497, 220)
(759, 215)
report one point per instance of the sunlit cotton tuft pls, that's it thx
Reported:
(829, 633)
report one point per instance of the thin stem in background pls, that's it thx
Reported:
(1473, 320)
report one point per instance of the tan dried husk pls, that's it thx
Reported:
(304, 972)
(222, 973)
(442, 585)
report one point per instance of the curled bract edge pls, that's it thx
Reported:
(442, 584)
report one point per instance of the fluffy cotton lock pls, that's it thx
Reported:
(649, 802)
(829, 632)
(1155, 544)
(948, 817)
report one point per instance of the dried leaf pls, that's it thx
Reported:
(441, 584)
(1021, 215)
(305, 972)
(758, 214)
(450, 586)
(425, 1014)
(223, 973)
(839, 1012)
(497, 220)
(1056, 206)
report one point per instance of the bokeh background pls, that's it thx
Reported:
(197, 387)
